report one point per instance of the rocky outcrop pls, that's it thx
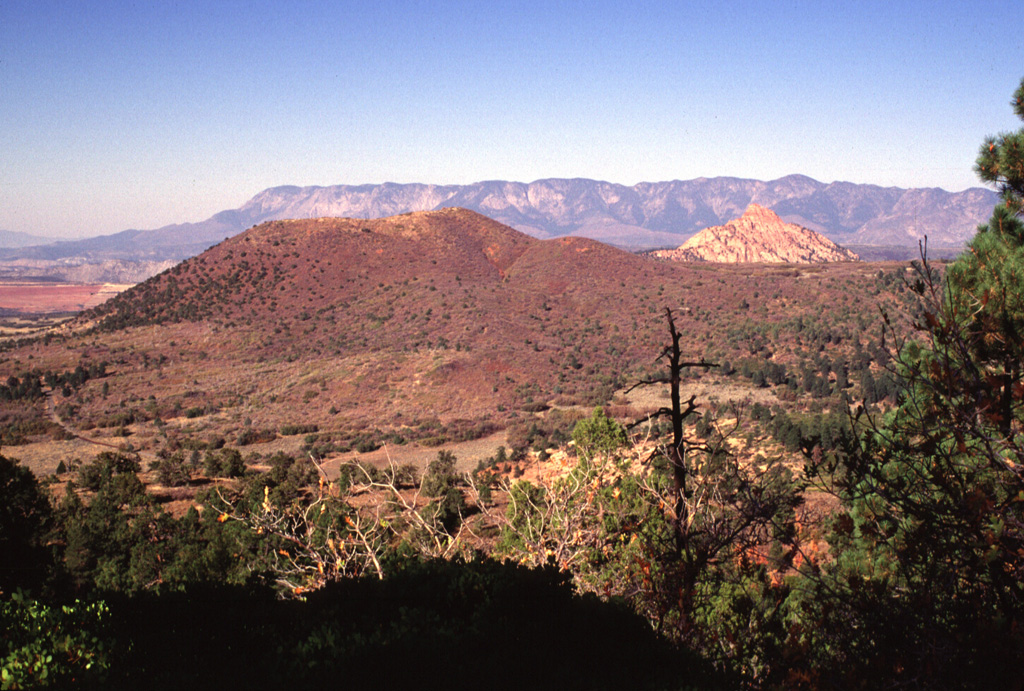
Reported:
(759, 235)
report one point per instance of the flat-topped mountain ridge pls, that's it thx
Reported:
(658, 213)
(759, 235)
(647, 215)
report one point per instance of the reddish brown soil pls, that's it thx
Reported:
(41, 298)
(437, 328)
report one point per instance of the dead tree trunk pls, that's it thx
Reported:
(677, 413)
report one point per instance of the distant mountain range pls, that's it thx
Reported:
(643, 216)
(12, 238)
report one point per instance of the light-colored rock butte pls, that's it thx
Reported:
(759, 235)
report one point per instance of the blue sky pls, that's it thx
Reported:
(139, 114)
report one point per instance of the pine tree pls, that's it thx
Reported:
(930, 546)
(1001, 163)
(24, 519)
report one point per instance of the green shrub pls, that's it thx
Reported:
(52, 645)
(441, 481)
(173, 471)
(223, 463)
(93, 475)
(598, 434)
(255, 436)
(292, 430)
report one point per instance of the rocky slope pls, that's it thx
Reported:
(759, 235)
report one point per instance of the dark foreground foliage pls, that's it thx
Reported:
(436, 624)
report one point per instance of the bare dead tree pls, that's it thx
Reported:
(313, 542)
(559, 521)
(677, 414)
(433, 539)
(721, 509)
(323, 537)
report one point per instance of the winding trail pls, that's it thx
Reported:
(51, 410)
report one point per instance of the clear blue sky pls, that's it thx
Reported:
(140, 114)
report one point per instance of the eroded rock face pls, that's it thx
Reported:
(759, 235)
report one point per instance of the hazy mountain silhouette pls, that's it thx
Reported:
(12, 238)
(646, 215)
